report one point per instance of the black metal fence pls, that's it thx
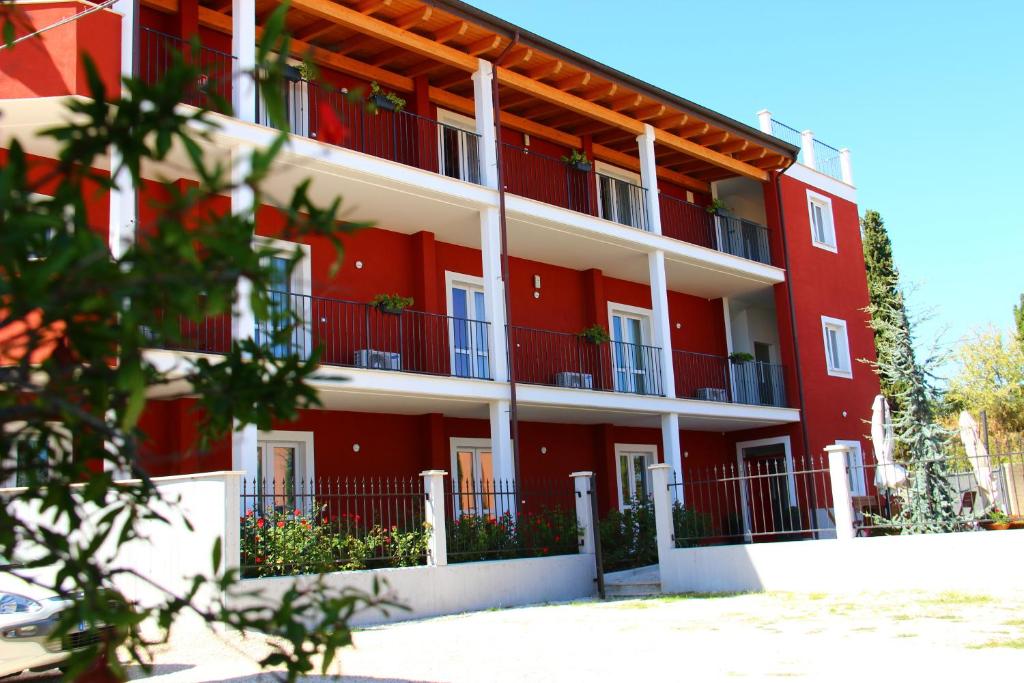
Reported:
(496, 519)
(761, 499)
(790, 135)
(743, 238)
(709, 377)
(758, 383)
(209, 335)
(157, 52)
(691, 223)
(547, 179)
(291, 525)
(954, 492)
(362, 335)
(563, 359)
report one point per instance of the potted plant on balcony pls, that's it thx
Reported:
(996, 520)
(308, 71)
(595, 334)
(716, 207)
(387, 101)
(741, 357)
(579, 161)
(392, 303)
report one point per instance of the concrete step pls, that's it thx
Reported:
(632, 590)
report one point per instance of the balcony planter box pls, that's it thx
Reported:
(583, 166)
(390, 310)
(381, 101)
(992, 525)
(391, 304)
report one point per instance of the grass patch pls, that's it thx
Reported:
(901, 617)
(864, 629)
(1014, 622)
(1013, 643)
(955, 598)
(906, 635)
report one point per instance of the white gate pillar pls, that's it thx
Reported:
(662, 509)
(842, 504)
(437, 543)
(582, 482)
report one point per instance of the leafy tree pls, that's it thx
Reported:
(1018, 319)
(887, 307)
(929, 499)
(74, 322)
(990, 377)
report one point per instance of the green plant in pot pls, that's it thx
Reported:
(578, 160)
(392, 303)
(388, 101)
(996, 520)
(595, 334)
(716, 207)
(741, 357)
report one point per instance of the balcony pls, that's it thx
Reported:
(708, 377)
(358, 335)
(687, 222)
(560, 359)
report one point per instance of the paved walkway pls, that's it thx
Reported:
(944, 637)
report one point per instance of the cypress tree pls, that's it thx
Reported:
(1018, 319)
(887, 309)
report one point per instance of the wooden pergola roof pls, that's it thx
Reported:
(546, 90)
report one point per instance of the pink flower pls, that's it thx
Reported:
(280, 525)
(259, 523)
(249, 513)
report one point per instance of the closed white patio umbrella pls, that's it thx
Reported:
(888, 474)
(978, 455)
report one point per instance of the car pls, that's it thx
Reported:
(28, 616)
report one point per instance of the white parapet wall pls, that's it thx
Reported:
(971, 561)
(452, 589)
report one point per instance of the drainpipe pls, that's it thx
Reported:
(792, 321)
(513, 406)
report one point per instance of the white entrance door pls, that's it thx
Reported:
(473, 478)
(634, 478)
(630, 355)
(283, 472)
(468, 329)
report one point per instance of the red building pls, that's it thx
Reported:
(734, 333)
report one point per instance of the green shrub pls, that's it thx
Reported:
(629, 537)
(549, 531)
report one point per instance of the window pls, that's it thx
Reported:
(287, 292)
(458, 147)
(473, 477)
(823, 232)
(634, 365)
(837, 348)
(296, 103)
(855, 468)
(468, 326)
(634, 479)
(621, 197)
(284, 470)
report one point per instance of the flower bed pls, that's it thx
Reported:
(549, 531)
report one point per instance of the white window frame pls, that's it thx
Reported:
(452, 279)
(462, 122)
(457, 443)
(855, 463)
(305, 456)
(628, 448)
(838, 325)
(646, 334)
(825, 204)
(61, 443)
(617, 173)
(302, 278)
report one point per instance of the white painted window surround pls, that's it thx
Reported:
(837, 347)
(855, 467)
(286, 464)
(823, 229)
(632, 476)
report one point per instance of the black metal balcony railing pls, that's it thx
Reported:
(710, 377)
(209, 335)
(157, 52)
(354, 334)
(623, 202)
(688, 222)
(561, 359)
(547, 179)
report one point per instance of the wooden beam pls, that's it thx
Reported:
(625, 102)
(693, 129)
(543, 71)
(751, 154)
(485, 44)
(464, 105)
(599, 92)
(633, 164)
(561, 119)
(387, 55)
(540, 110)
(313, 30)
(416, 16)
(672, 121)
(574, 81)
(355, 43)
(389, 33)
(421, 68)
(518, 55)
(371, 6)
(455, 78)
(718, 159)
(649, 112)
(451, 31)
(716, 138)
(733, 147)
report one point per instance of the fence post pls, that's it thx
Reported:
(845, 166)
(842, 505)
(807, 147)
(764, 120)
(662, 509)
(433, 500)
(582, 482)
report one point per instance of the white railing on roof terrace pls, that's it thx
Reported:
(814, 153)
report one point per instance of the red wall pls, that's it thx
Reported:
(171, 440)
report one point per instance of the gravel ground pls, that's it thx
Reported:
(920, 636)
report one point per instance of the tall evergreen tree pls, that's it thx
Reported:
(887, 309)
(1018, 319)
(929, 504)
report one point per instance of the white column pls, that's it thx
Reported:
(494, 293)
(649, 178)
(807, 145)
(845, 167)
(664, 530)
(243, 320)
(764, 121)
(243, 47)
(659, 320)
(501, 442)
(485, 123)
(582, 482)
(123, 213)
(673, 449)
(842, 504)
(437, 544)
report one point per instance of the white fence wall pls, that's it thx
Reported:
(983, 562)
(451, 589)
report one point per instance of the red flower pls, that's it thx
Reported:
(557, 538)
(248, 513)
(280, 525)
(298, 512)
(259, 523)
(259, 559)
(544, 550)
(324, 520)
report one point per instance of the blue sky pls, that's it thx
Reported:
(927, 94)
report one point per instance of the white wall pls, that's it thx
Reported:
(753, 324)
(982, 562)
(744, 197)
(452, 589)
